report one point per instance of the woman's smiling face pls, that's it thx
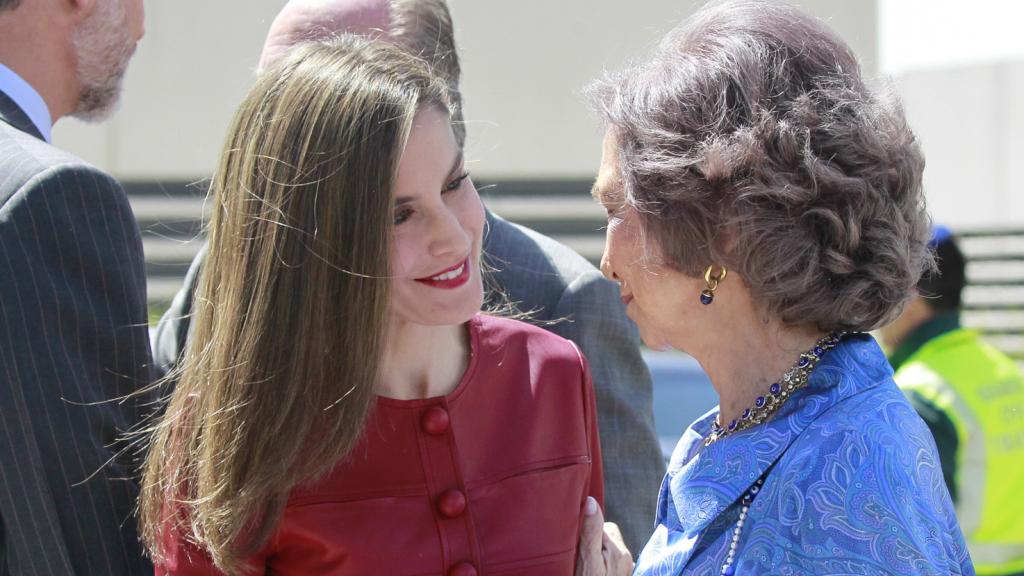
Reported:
(438, 229)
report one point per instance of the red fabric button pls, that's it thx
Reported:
(452, 503)
(462, 569)
(435, 420)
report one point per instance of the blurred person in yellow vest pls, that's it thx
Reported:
(971, 396)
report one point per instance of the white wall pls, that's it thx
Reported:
(524, 64)
(959, 66)
(190, 72)
(971, 126)
(938, 34)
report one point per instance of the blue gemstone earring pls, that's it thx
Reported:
(707, 295)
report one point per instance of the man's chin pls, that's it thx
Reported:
(100, 98)
(97, 107)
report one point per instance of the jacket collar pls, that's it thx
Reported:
(12, 114)
(705, 481)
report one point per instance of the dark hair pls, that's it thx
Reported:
(9, 4)
(750, 140)
(942, 288)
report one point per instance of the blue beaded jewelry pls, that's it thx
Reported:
(794, 378)
(707, 295)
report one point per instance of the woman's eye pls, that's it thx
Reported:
(402, 215)
(456, 183)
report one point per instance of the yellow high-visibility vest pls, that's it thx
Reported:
(981, 390)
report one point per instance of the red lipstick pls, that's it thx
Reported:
(449, 278)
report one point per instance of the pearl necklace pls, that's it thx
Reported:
(765, 406)
(729, 568)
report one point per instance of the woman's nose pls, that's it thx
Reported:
(447, 235)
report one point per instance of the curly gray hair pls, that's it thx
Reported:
(750, 139)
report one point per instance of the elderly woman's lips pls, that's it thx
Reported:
(626, 299)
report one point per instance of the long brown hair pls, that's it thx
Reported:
(290, 315)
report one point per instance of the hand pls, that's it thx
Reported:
(601, 550)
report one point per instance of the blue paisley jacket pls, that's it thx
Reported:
(854, 485)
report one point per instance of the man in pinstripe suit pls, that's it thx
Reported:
(73, 316)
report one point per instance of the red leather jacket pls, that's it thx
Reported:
(490, 479)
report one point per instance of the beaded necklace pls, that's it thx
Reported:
(764, 407)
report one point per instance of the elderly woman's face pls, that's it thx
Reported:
(654, 295)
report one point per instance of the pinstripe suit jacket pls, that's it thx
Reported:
(556, 284)
(72, 338)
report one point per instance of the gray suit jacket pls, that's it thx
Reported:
(555, 283)
(73, 340)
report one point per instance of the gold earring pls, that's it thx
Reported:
(707, 296)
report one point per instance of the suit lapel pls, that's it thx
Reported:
(12, 114)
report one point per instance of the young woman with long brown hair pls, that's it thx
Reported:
(343, 408)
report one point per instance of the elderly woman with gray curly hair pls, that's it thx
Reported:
(765, 211)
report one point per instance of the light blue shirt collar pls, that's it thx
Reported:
(26, 97)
